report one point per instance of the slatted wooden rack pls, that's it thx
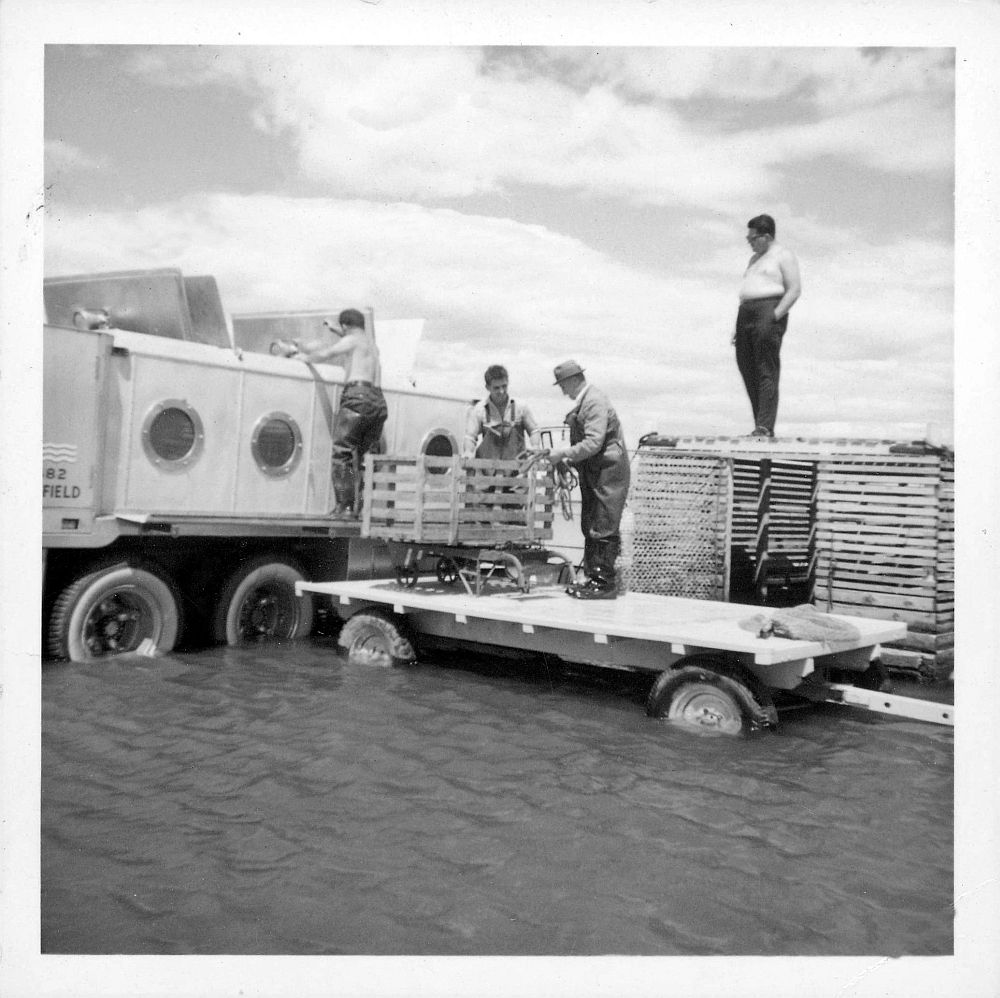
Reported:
(429, 500)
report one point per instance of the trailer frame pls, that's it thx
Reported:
(690, 643)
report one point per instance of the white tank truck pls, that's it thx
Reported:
(186, 471)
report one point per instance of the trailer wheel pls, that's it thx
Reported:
(711, 695)
(447, 571)
(258, 603)
(372, 638)
(111, 611)
(705, 706)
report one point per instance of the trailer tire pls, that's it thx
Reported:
(374, 638)
(712, 695)
(258, 603)
(875, 677)
(112, 611)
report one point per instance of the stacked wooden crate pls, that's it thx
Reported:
(452, 500)
(867, 527)
(885, 548)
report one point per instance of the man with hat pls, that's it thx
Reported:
(597, 450)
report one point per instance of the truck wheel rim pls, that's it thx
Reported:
(703, 706)
(267, 612)
(118, 623)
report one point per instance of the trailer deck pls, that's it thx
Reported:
(702, 642)
(686, 626)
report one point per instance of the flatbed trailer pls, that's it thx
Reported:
(714, 670)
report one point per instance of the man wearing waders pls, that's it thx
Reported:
(597, 451)
(497, 426)
(358, 425)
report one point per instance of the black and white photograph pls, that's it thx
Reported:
(518, 504)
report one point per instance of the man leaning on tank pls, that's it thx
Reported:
(358, 426)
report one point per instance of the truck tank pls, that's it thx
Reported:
(185, 479)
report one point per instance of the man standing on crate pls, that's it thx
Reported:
(771, 286)
(597, 450)
(498, 427)
(362, 414)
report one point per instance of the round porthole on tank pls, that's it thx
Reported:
(439, 443)
(276, 444)
(172, 435)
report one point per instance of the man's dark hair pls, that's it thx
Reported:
(493, 372)
(351, 317)
(763, 225)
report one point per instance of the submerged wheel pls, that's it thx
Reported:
(704, 706)
(697, 696)
(375, 639)
(113, 610)
(258, 603)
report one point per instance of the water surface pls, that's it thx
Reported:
(285, 801)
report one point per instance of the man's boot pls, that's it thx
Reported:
(343, 494)
(601, 569)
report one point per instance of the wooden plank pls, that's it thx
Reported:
(912, 618)
(875, 597)
(904, 503)
(453, 518)
(929, 643)
(905, 550)
(418, 503)
(366, 509)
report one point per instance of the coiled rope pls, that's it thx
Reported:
(565, 478)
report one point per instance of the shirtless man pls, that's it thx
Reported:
(770, 287)
(362, 413)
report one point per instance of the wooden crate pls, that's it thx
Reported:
(867, 526)
(886, 548)
(428, 500)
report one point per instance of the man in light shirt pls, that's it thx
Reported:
(498, 427)
(770, 287)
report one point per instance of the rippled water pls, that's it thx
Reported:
(284, 801)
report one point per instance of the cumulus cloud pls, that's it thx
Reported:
(447, 122)
(494, 290)
(61, 155)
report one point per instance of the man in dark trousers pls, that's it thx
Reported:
(597, 450)
(362, 413)
(770, 287)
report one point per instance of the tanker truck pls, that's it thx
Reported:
(186, 482)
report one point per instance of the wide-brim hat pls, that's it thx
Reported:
(567, 369)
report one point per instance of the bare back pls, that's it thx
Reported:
(361, 357)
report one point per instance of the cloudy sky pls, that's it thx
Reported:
(534, 204)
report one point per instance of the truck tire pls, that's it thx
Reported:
(372, 638)
(112, 610)
(258, 603)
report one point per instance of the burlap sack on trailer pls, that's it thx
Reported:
(801, 623)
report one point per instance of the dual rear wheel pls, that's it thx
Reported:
(133, 606)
